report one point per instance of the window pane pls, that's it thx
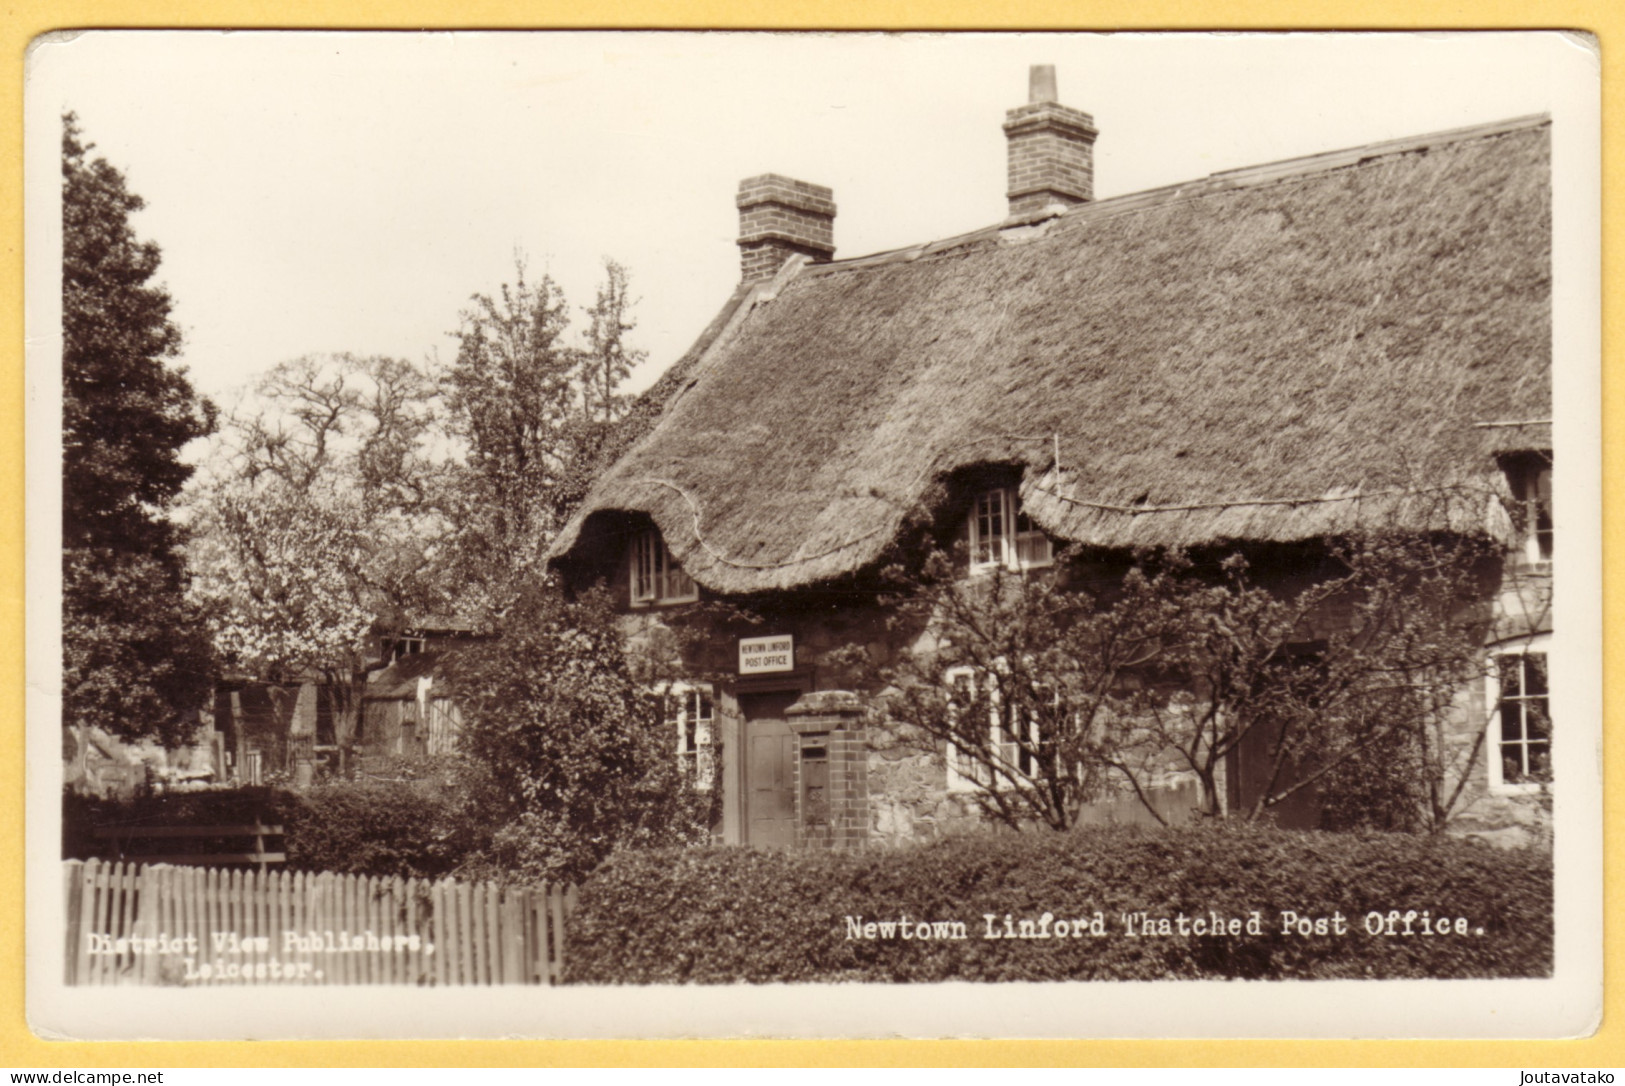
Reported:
(1534, 674)
(988, 545)
(642, 567)
(1034, 549)
(1543, 511)
(1540, 761)
(1511, 721)
(656, 576)
(679, 585)
(1511, 675)
(1537, 720)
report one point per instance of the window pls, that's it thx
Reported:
(1530, 477)
(656, 576)
(1004, 732)
(1521, 727)
(1001, 534)
(406, 646)
(690, 713)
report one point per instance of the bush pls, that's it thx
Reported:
(564, 754)
(385, 828)
(726, 915)
(82, 815)
(404, 828)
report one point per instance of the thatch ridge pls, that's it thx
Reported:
(1271, 354)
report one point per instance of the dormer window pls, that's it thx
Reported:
(1530, 478)
(656, 576)
(1001, 534)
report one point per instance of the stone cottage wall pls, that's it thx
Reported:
(909, 798)
(1506, 816)
(839, 640)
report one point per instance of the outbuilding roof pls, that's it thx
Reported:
(1273, 354)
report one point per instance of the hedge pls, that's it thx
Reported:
(729, 915)
(366, 827)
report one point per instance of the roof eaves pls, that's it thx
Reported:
(715, 335)
(727, 326)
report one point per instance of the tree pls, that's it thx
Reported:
(1346, 686)
(136, 661)
(530, 413)
(607, 361)
(319, 521)
(1050, 695)
(564, 755)
(1016, 676)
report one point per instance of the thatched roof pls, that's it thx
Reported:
(1276, 354)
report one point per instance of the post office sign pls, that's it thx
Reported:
(763, 655)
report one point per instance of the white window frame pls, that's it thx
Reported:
(1002, 535)
(654, 576)
(690, 710)
(975, 775)
(1499, 785)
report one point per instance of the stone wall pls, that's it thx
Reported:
(841, 638)
(908, 788)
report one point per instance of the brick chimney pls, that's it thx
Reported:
(1052, 157)
(779, 217)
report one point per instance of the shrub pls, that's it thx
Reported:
(374, 828)
(404, 828)
(564, 755)
(726, 915)
(82, 815)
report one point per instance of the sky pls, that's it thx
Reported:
(320, 192)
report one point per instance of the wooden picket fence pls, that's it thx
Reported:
(166, 925)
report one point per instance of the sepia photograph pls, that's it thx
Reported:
(743, 534)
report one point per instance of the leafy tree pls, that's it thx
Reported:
(136, 661)
(1050, 696)
(531, 413)
(565, 756)
(319, 521)
(607, 361)
(510, 401)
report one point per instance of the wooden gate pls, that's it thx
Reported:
(157, 924)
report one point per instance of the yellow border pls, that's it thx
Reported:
(21, 21)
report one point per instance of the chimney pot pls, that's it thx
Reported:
(1041, 83)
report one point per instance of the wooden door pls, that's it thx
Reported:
(770, 769)
(1250, 765)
